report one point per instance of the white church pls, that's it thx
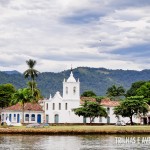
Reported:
(59, 108)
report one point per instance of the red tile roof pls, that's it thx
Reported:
(27, 106)
(108, 102)
(104, 102)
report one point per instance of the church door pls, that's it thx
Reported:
(18, 118)
(108, 120)
(56, 118)
(10, 117)
(38, 118)
(47, 118)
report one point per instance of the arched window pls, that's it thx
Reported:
(46, 106)
(66, 90)
(53, 106)
(27, 117)
(59, 106)
(33, 117)
(66, 106)
(74, 90)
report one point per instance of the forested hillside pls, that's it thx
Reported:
(96, 79)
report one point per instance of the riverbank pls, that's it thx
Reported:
(77, 130)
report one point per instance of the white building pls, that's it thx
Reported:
(33, 113)
(59, 108)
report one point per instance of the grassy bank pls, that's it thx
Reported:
(74, 130)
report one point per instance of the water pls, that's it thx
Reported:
(86, 142)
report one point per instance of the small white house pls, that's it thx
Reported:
(33, 113)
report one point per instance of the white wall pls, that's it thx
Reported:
(14, 119)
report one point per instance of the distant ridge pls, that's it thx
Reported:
(96, 79)
(11, 72)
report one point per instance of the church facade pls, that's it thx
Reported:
(59, 108)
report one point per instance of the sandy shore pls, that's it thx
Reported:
(77, 130)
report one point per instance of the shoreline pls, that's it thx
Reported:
(76, 130)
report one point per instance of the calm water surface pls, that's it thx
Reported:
(86, 142)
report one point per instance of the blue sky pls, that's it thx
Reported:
(114, 34)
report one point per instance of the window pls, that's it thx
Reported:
(66, 90)
(74, 90)
(27, 117)
(100, 119)
(53, 106)
(14, 117)
(47, 118)
(108, 110)
(2, 117)
(66, 106)
(59, 106)
(33, 117)
(46, 106)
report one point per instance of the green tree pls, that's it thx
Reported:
(144, 91)
(115, 92)
(22, 96)
(133, 90)
(31, 72)
(88, 94)
(91, 110)
(36, 92)
(6, 91)
(134, 105)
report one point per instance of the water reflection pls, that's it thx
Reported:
(86, 142)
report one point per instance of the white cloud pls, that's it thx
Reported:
(64, 32)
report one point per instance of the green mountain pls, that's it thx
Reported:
(95, 79)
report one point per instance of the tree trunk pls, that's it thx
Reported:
(23, 113)
(91, 119)
(131, 121)
(32, 87)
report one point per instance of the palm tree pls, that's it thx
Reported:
(22, 96)
(31, 72)
(115, 92)
(36, 91)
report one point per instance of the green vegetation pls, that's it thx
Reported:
(133, 89)
(115, 92)
(32, 73)
(22, 96)
(88, 94)
(6, 91)
(134, 105)
(91, 110)
(97, 80)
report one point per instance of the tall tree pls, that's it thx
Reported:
(88, 94)
(6, 92)
(133, 90)
(22, 96)
(91, 110)
(115, 92)
(31, 72)
(36, 92)
(134, 105)
(144, 91)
